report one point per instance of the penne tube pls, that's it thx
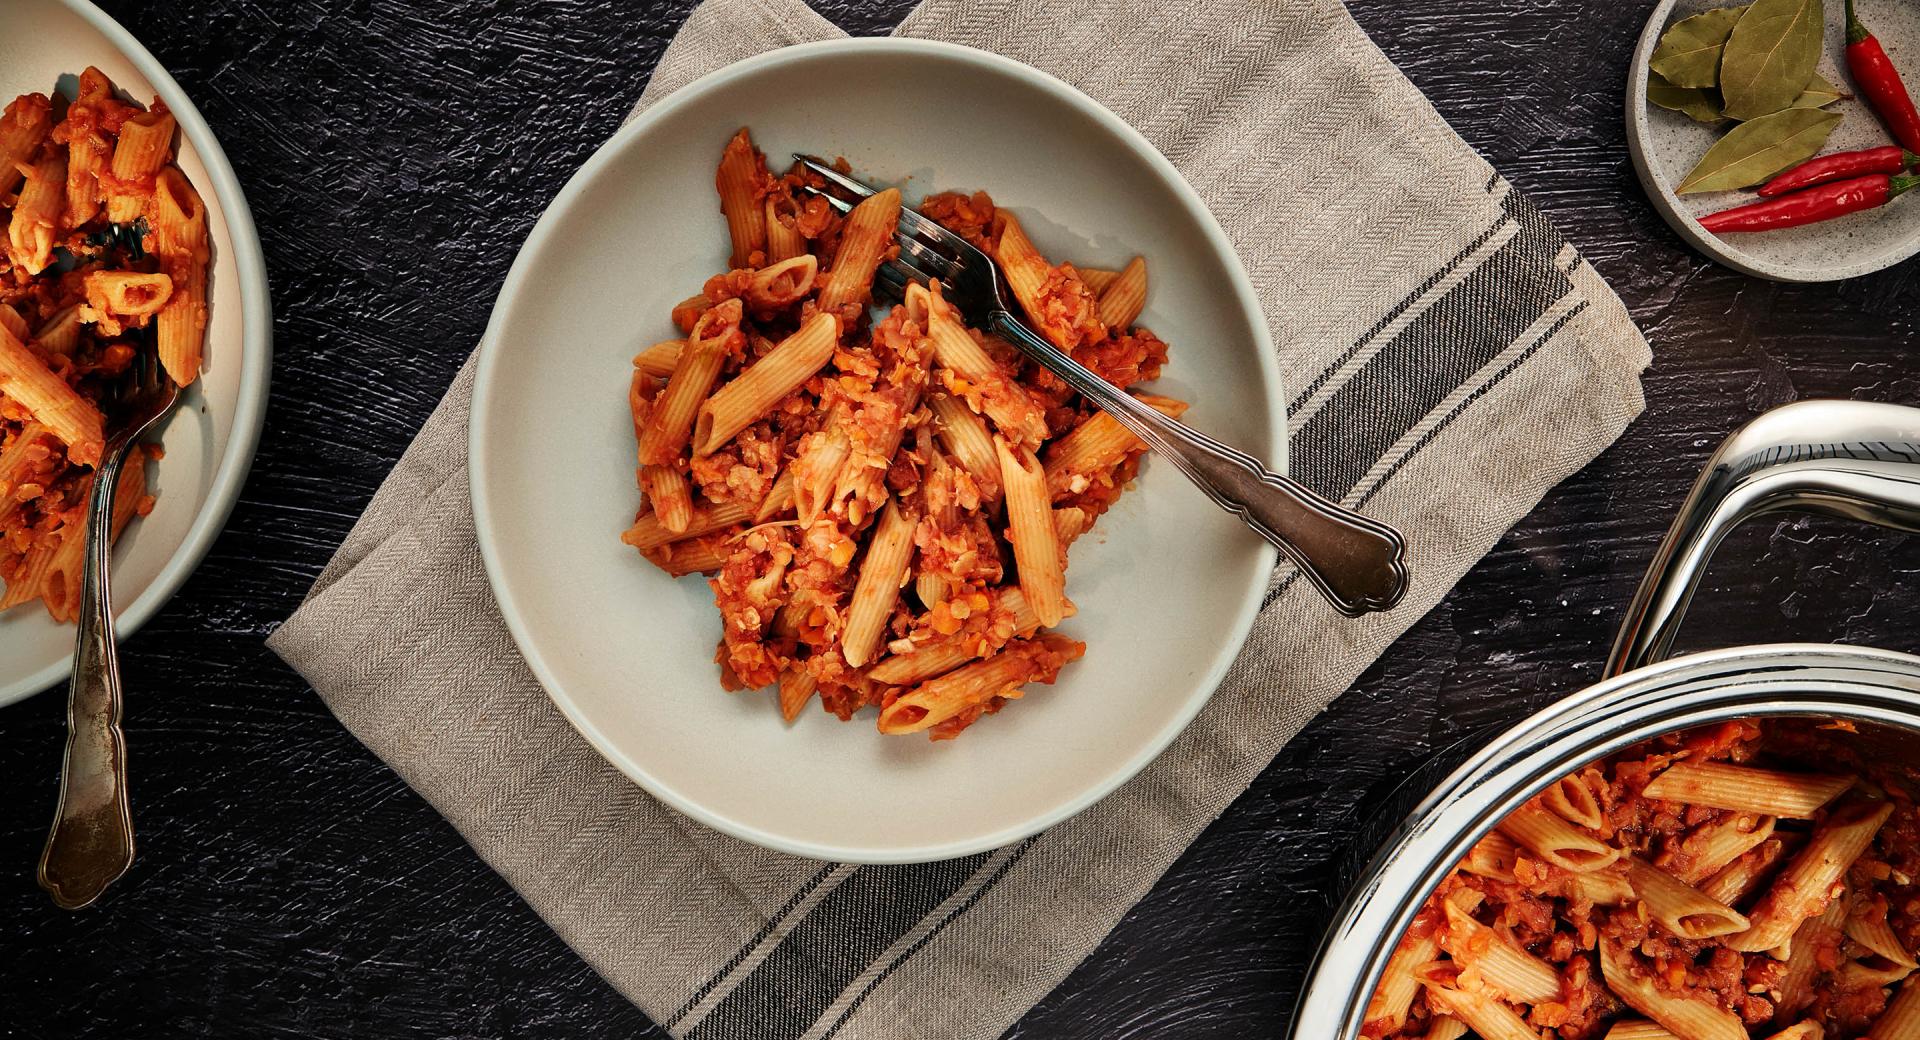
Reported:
(1036, 544)
(88, 150)
(1608, 887)
(930, 588)
(1808, 883)
(14, 324)
(1901, 1019)
(649, 532)
(966, 438)
(1745, 789)
(1872, 931)
(738, 181)
(864, 240)
(782, 284)
(1638, 1029)
(1492, 856)
(751, 394)
(1018, 663)
(1387, 1009)
(119, 300)
(1025, 268)
(1069, 523)
(660, 359)
(784, 240)
(796, 689)
(1681, 910)
(715, 336)
(1808, 1030)
(1122, 301)
(1573, 801)
(1503, 964)
(693, 556)
(1003, 400)
(62, 580)
(24, 127)
(1686, 1017)
(1869, 972)
(145, 144)
(1719, 844)
(1557, 841)
(943, 655)
(816, 469)
(23, 461)
(878, 588)
(38, 215)
(60, 334)
(1445, 1027)
(1795, 984)
(1097, 445)
(72, 418)
(666, 488)
(1060, 308)
(1488, 1018)
(1734, 882)
(178, 219)
(1098, 278)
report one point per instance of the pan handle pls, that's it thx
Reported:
(1851, 459)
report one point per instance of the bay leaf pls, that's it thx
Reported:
(1689, 51)
(1819, 94)
(1770, 57)
(1759, 148)
(1703, 104)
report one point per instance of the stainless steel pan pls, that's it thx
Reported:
(1849, 459)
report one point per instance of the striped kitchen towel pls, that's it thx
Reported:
(1455, 359)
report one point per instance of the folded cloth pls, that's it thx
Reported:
(1430, 324)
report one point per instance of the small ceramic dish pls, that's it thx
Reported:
(1166, 589)
(210, 439)
(1666, 145)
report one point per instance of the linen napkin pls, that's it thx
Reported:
(1431, 324)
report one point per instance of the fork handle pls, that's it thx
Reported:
(1357, 562)
(91, 843)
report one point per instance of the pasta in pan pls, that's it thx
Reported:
(882, 498)
(1736, 882)
(105, 254)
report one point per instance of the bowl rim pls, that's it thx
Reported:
(1862, 683)
(489, 372)
(1684, 223)
(256, 355)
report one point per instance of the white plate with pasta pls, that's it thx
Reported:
(909, 531)
(95, 134)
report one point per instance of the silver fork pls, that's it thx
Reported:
(1357, 562)
(91, 843)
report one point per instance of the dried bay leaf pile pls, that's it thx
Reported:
(1752, 64)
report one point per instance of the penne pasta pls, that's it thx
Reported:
(1901, 1019)
(1608, 887)
(783, 283)
(1572, 800)
(1557, 841)
(649, 532)
(1017, 416)
(1638, 1029)
(1056, 302)
(660, 359)
(972, 687)
(944, 655)
(1502, 963)
(1487, 1017)
(666, 488)
(1795, 984)
(784, 240)
(747, 398)
(715, 336)
(24, 127)
(1718, 844)
(1097, 278)
(779, 500)
(59, 334)
(1445, 1027)
(1036, 544)
(864, 241)
(966, 437)
(738, 181)
(1492, 856)
(1096, 446)
(797, 686)
(1734, 882)
(1807, 884)
(179, 221)
(24, 464)
(1679, 909)
(72, 418)
(145, 144)
(1745, 789)
(1122, 300)
(38, 215)
(1686, 1017)
(1387, 1009)
(1868, 926)
(119, 300)
(881, 575)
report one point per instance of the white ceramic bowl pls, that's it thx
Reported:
(211, 437)
(1666, 145)
(1167, 585)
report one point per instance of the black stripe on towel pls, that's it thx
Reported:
(1441, 348)
(752, 944)
(844, 933)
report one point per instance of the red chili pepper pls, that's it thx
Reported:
(1811, 206)
(1890, 159)
(1880, 84)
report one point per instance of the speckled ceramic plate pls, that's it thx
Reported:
(1666, 145)
(1166, 589)
(210, 439)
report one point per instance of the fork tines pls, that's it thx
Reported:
(927, 250)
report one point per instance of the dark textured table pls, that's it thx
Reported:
(396, 153)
